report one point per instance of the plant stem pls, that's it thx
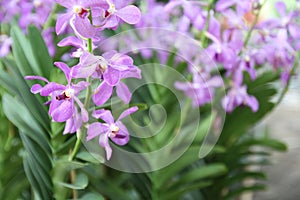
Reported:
(203, 37)
(257, 14)
(73, 177)
(77, 146)
(292, 72)
(86, 106)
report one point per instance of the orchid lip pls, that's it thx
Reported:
(62, 96)
(67, 94)
(111, 10)
(80, 11)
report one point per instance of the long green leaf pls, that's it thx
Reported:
(40, 52)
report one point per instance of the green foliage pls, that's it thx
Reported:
(245, 151)
(34, 147)
(13, 182)
(28, 113)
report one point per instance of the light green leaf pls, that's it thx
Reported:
(93, 196)
(80, 183)
(90, 157)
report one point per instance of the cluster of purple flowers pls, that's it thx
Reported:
(87, 19)
(236, 36)
(35, 12)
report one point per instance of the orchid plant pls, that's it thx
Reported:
(216, 57)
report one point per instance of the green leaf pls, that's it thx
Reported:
(37, 160)
(176, 194)
(7, 81)
(61, 170)
(93, 196)
(202, 172)
(90, 157)
(25, 122)
(40, 52)
(265, 142)
(238, 191)
(34, 106)
(22, 52)
(80, 183)
(164, 175)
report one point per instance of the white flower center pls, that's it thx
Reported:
(77, 9)
(69, 92)
(102, 63)
(112, 8)
(37, 3)
(114, 129)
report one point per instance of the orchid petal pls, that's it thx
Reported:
(253, 103)
(102, 93)
(105, 115)
(51, 87)
(281, 8)
(134, 72)
(108, 55)
(73, 124)
(80, 71)
(129, 14)
(96, 3)
(112, 76)
(123, 92)
(96, 129)
(111, 22)
(62, 21)
(66, 4)
(36, 88)
(103, 141)
(63, 112)
(84, 27)
(122, 3)
(36, 78)
(80, 86)
(127, 112)
(65, 68)
(84, 112)
(224, 4)
(71, 41)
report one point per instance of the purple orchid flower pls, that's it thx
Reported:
(77, 16)
(225, 50)
(118, 11)
(201, 89)
(48, 38)
(238, 96)
(110, 67)
(62, 106)
(192, 13)
(153, 16)
(5, 44)
(104, 91)
(80, 44)
(286, 20)
(115, 130)
(241, 6)
(280, 53)
(36, 12)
